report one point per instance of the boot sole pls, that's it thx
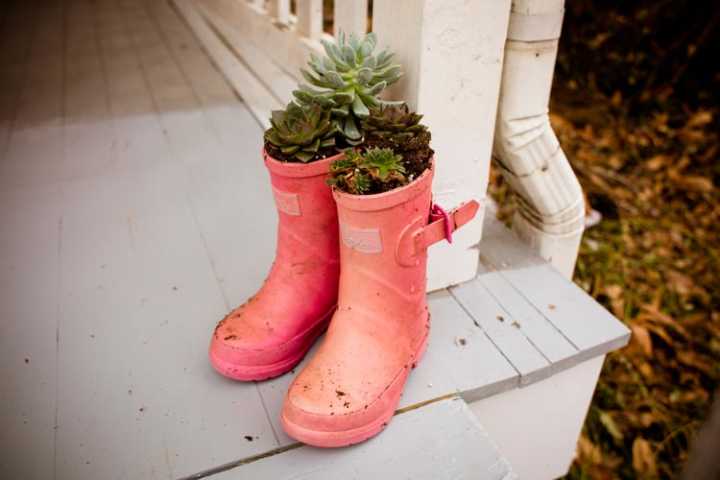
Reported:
(345, 438)
(249, 373)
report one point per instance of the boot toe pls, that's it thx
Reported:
(335, 418)
(243, 351)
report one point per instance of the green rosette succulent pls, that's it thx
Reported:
(348, 80)
(300, 132)
(372, 171)
(396, 127)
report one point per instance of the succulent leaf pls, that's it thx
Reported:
(349, 55)
(354, 42)
(350, 129)
(377, 88)
(335, 80)
(369, 62)
(359, 108)
(364, 76)
(312, 80)
(342, 111)
(343, 98)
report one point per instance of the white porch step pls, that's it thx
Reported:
(135, 212)
(443, 440)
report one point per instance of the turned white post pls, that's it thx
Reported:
(280, 10)
(451, 52)
(350, 16)
(310, 18)
(551, 210)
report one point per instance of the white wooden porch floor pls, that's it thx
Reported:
(134, 212)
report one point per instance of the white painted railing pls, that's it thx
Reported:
(452, 53)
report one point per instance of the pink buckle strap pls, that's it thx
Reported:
(426, 231)
(439, 213)
(443, 224)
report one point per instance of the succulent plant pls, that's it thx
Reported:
(396, 127)
(375, 170)
(300, 132)
(348, 80)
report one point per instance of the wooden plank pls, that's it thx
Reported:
(37, 126)
(503, 330)
(86, 103)
(569, 308)
(583, 321)
(15, 44)
(29, 269)
(544, 336)
(460, 351)
(351, 16)
(440, 440)
(241, 78)
(29, 240)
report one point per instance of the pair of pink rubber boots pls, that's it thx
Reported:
(356, 266)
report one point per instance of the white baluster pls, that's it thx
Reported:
(280, 10)
(310, 18)
(351, 16)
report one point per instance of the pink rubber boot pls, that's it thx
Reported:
(350, 389)
(272, 331)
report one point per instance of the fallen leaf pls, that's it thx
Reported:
(607, 420)
(697, 183)
(641, 336)
(643, 457)
(680, 282)
(700, 118)
(657, 162)
(654, 314)
(588, 451)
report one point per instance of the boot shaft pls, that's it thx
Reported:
(307, 216)
(378, 270)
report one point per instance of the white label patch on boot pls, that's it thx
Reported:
(286, 202)
(364, 240)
